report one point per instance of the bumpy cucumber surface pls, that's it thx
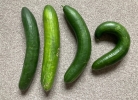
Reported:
(32, 49)
(51, 47)
(121, 48)
(83, 44)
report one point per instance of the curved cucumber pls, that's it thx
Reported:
(32, 49)
(83, 44)
(51, 47)
(120, 49)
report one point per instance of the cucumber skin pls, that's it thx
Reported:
(32, 49)
(83, 44)
(51, 47)
(121, 48)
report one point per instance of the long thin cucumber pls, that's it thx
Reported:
(32, 49)
(83, 44)
(51, 47)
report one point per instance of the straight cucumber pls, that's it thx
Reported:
(51, 47)
(32, 49)
(83, 44)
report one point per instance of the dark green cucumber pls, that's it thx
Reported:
(83, 44)
(121, 47)
(51, 47)
(32, 49)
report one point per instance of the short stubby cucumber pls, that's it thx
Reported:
(51, 47)
(82, 34)
(32, 49)
(121, 48)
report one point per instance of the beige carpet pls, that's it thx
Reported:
(119, 82)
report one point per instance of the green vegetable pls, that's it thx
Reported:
(32, 49)
(121, 47)
(51, 47)
(83, 44)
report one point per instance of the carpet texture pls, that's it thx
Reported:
(118, 82)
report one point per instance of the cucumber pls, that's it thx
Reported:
(82, 34)
(32, 49)
(51, 47)
(121, 48)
